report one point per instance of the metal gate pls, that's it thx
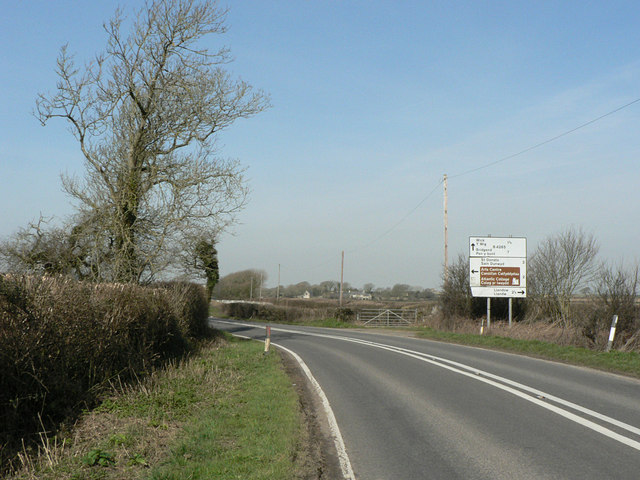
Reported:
(386, 317)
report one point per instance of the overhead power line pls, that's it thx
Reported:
(545, 142)
(504, 159)
(487, 165)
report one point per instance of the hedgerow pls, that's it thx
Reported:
(62, 342)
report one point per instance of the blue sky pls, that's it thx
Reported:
(373, 101)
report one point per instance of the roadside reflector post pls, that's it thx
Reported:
(482, 326)
(267, 340)
(488, 313)
(612, 333)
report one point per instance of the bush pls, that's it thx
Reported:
(287, 313)
(62, 342)
(345, 314)
(263, 311)
(190, 306)
(455, 299)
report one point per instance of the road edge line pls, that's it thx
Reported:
(341, 450)
(343, 457)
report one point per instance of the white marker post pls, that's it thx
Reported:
(267, 341)
(612, 333)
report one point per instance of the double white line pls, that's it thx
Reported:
(538, 397)
(542, 399)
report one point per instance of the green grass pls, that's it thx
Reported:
(228, 412)
(249, 433)
(627, 363)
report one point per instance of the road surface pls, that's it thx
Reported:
(417, 409)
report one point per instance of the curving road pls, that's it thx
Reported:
(418, 409)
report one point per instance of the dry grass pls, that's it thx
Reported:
(203, 417)
(62, 342)
(542, 331)
(137, 424)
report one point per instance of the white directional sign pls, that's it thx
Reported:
(498, 266)
(508, 247)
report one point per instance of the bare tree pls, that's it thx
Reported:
(71, 248)
(240, 285)
(456, 299)
(146, 114)
(617, 291)
(35, 249)
(561, 264)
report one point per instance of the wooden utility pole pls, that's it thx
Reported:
(446, 232)
(341, 278)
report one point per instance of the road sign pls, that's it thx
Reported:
(505, 247)
(499, 276)
(498, 266)
(496, 271)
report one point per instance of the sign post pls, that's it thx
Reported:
(498, 268)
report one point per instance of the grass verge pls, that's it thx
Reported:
(228, 412)
(626, 363)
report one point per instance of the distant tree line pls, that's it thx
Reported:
(249, 284)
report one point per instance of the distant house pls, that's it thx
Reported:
(361, 296)
(306, 294)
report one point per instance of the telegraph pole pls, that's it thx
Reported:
(341, 278)
(446, 231)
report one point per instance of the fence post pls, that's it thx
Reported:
(612, 333)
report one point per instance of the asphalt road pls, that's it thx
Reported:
(418, 409)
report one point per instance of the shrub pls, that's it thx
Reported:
(345, 314)
(62, 342)
(276, 313)
(190, 306)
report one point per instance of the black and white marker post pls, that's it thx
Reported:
(612, 332)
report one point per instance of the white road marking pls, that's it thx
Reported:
(345, 463)
(499, 382)
(343, 457)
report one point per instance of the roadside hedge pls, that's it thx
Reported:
(62, 342)
(268, 312)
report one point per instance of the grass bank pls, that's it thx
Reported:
(626, 363)
(227, 412)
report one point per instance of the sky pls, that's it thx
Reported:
(372, 103)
